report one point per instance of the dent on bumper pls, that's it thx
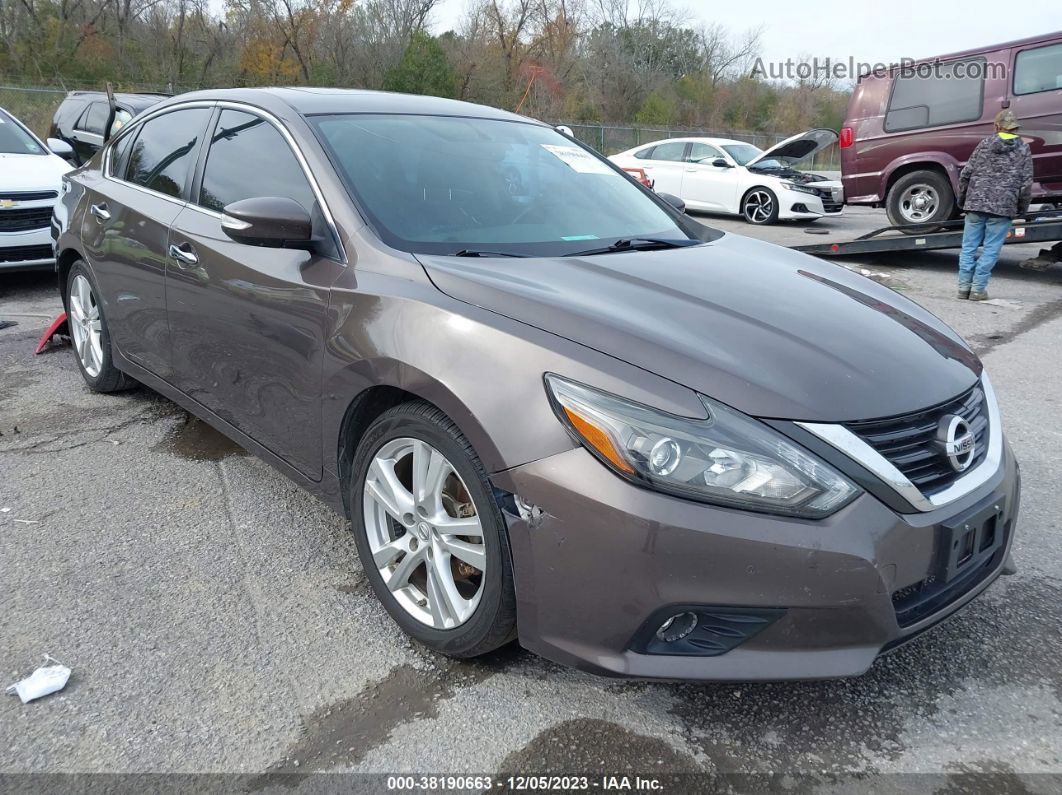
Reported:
(604, 555)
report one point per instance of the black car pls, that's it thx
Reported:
(82, 116)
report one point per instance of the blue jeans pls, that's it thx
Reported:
(988, 231)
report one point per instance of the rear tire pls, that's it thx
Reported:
(432, 592)
(921, 198)
(88, 329)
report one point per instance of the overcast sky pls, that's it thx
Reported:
(874, 32)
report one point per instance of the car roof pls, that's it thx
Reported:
(693, 140)
(309, 101)
(137, 102)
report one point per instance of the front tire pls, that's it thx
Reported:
(91, 336)
(760, 206)
(430, 534)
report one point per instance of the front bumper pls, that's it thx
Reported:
(31, 249)
(797, 204)
(591, 570)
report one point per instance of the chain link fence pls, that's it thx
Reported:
(35, 106)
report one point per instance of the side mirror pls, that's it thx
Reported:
(61, 148)
(720, 163)
(674, 201)
(270, 221)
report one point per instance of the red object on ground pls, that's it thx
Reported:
(640, 175)
(58, 325)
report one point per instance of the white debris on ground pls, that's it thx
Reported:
(45, 680)
(1004, 302)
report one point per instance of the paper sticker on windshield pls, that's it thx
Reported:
(579, 159)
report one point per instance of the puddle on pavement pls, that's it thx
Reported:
(590, 746)
(195, 440)
(343, 733)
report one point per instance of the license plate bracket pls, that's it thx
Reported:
(969, 540)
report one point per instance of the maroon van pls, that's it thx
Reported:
(909, 132)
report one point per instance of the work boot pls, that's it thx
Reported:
(979, 295)
(964, 292)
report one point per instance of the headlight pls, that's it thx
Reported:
(799, 188)
(727, 459)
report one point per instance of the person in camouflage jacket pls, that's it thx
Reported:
(995, 186)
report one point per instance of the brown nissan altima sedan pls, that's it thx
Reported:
(554, 407)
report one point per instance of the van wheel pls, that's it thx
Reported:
(760, 206)
(92, 339)
(430, 534)
(920, 198)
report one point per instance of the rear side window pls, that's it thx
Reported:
(949, 94)
(94, 118)
(645, 154)
(1038, 70)
(669, 151)
(164, 150)
(248, 157)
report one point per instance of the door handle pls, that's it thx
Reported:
(691, 171)
(185, 256)
(101, 212)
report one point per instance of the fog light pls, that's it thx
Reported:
(677, 627)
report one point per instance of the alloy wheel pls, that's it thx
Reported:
(85, 325)
(758, 206)
(919, 203)
(424, 533)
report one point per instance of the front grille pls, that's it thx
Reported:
(909, 441)
(25, 253)
(832, 206)
(29, 196)
(23, 219)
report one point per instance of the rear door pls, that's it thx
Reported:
(705, 185)
(87, 135)
(665, 166)
(1037, 102)
(125, 231)
(249, 323)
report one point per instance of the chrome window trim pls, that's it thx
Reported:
(855, 448)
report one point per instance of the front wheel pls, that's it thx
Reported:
(430, 533)
(760, 206)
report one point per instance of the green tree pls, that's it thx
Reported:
(424, 69)
(656, 110)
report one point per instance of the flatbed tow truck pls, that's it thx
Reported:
(1039, 227)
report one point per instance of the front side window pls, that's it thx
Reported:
(15, 140)
(165, 149)
(441, 184)
(249, 158)
(948, 94)
(670, 151)
(1038, 70)
(703, 153)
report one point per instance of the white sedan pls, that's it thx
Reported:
(31, 175)
(725, 176)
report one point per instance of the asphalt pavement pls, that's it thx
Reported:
(216, 618)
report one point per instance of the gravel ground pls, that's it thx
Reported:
(217, 620)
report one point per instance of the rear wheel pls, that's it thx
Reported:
(92, 339)
(430, 534)
(920, 198)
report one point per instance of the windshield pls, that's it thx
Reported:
(746, 153)
(14, 140)
(442, 184)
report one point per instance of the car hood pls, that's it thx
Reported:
(769, 331)
(799, 147)
(31, 172)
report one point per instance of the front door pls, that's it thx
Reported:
(249, 323)
(131, 205)
(707, 186)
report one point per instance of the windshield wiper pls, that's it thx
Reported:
(475, 252)
(637, 244)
